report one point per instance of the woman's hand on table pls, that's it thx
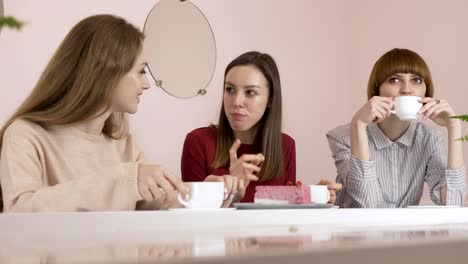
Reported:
(157, 184)
(234, 188)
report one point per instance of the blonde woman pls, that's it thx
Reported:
(383, 161)
(67, 148)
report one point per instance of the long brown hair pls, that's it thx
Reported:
(78, 82)
(269, 134)
(398, 61)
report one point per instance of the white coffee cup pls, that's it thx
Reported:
(407, 107)
(203, 195)
(319, 194)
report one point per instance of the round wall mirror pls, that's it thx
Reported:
(181, 48)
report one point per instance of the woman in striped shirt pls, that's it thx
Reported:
(383, 161)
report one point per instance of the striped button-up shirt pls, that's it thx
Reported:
(397, 170)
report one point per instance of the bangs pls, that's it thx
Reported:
(398, 61)
(401, 62)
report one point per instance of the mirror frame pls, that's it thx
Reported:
(159, 82)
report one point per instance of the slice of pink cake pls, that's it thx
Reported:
(293, 194)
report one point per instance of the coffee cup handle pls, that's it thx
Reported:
(182, 201)
(186, 202)
(393, 112)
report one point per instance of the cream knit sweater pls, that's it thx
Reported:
(64, 169)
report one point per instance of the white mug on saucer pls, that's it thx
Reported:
(319, 194)
(203, 195)
(407, 107)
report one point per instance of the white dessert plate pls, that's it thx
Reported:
(431, 206)
(202, 209)
(258, 206)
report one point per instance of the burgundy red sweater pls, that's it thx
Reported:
(200, 149)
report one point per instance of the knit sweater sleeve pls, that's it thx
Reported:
(27, 189)
(290, 161)
(194, 159)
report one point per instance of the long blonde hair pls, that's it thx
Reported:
(78, 82)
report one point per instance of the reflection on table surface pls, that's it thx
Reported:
(210, 246)
(128, 241)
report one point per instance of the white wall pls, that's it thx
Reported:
(325, 50)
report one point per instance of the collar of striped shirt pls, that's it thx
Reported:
(381, 141)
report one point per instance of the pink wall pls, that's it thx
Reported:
(325, 51)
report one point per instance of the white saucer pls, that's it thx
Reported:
(431, 206)
(202, 209)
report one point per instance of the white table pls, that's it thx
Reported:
(248, 236)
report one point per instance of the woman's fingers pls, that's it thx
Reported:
(249, 167)
(241, 186)
(233, 150)
(149, 189)
(332, 196)
(324, 182)
(374, 110)
(227, 185)
(379, 108)
(145, 193)
(235, 181)
(157, 193)
(331, 185)
(379, 113)
(426, 100)
(168, 189)
(428, 103)
(439, 110)
(230, 184)
(157, 183)
(176, 183)
(386, 102)
(256, 159)
(246, 164)
(427, 111)
(431, 111)
(335, 186)
(232, 188)
(250, 177)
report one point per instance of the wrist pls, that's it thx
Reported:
(234, 173)
(358, 124)
(453, 124)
